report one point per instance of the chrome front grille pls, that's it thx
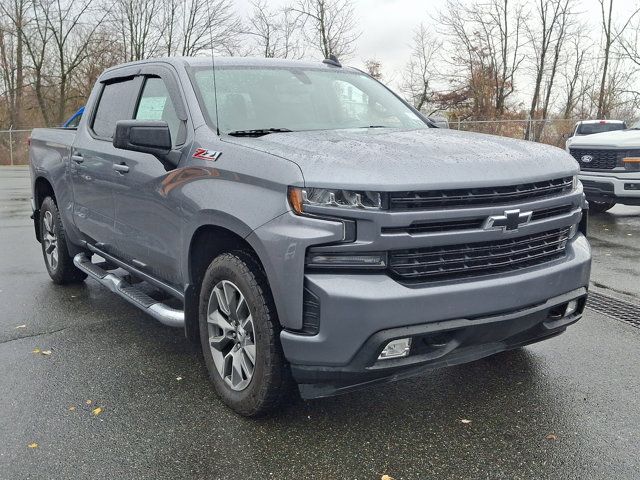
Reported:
(477, 259)
(425, 200)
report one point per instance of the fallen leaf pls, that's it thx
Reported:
(36, 350)
(21, 326)
(88, 402)
(97, 411)
(551, 436)
(72, 408)
(178, 378)
(465, 421)
(46, 352)
(386, 477)
(33, 445)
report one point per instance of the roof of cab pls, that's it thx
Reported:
(226, 61)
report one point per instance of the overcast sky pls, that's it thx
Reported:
(387, 26)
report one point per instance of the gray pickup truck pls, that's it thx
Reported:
(307, 226)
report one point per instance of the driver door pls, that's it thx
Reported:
(149, 218)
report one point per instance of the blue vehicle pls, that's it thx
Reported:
(74, 120)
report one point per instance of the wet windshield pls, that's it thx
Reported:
(268, 100)
(590, 128)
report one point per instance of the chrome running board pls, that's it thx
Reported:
(164, 314)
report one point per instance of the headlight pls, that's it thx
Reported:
(328, 197)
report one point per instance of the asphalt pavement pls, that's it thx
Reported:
(92, 388)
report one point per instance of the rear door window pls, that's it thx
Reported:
(116, 103)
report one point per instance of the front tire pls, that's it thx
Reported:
(600, 207)
(239, 333)
(53, 239)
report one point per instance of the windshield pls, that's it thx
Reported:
(590, 128)
(262, 98)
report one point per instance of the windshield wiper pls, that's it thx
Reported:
(258, 132)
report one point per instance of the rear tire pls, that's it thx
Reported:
(600, 207)
(54, 246)
(239, 334)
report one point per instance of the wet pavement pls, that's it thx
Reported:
(565, 408)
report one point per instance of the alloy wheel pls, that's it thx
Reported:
(50, 241)
(231, 335)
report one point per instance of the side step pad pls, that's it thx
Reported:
(158, 310)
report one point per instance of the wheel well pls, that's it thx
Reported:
(42, 190)
(207, 243)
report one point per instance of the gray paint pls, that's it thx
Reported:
(151, 215)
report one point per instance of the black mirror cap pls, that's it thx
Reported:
(143, 136)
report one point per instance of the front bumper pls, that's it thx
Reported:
(612, 187)
(359, 314)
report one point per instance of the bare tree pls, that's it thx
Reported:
(196, 26)
(329, 25)
(577, 76)
(546, 28)
(70, 39)
(484, 42)
(139, 26)
(274, 31)
(420, 70)
(610, 35)
(373, 68)
(12, 56)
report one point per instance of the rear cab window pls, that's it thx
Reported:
(591, 128)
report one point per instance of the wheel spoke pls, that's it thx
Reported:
(247, 367)
(216, 318)
(222, 301)
(48, 223)
(236, 369)
(231, 295)
(220, 342)
(250, 351)
(242, 310)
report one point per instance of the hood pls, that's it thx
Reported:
(615, 139)
(392, 159)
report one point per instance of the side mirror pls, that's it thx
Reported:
(144, 136)
(567, 136)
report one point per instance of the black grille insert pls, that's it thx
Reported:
(600, 158)
(477, 259)
(416, 200)
(441, 226)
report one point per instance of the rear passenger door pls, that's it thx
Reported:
(149, 219)
(93, 156)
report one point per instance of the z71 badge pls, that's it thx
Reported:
(204, 154)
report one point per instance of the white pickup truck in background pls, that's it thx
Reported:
(609, 167)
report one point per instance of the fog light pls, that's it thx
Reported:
(396, 349)
(572, 306)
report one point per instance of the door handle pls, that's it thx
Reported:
(120, 167)
(76, 157)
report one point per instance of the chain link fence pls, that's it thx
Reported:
(551, 131)
(14, 148)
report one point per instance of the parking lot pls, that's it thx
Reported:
(565, 408)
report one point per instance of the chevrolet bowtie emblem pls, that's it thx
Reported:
(511, 220)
